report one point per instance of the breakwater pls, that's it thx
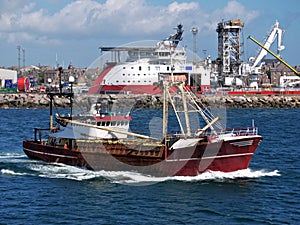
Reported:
(36, 100)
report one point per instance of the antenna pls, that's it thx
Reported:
(56, 60)
(19, 58)
(23, 50)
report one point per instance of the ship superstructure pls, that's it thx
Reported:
(145, 67)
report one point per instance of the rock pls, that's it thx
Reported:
(150, 101)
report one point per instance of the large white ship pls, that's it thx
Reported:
(144, 68)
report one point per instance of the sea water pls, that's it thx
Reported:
(35, 192)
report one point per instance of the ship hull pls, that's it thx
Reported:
(52, 154)
(151, 158)
(132, 89)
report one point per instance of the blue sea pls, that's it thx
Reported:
(34, 192)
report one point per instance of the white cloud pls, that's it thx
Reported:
(14, 6)
(236, 9)
(113, 18)
(176, 7)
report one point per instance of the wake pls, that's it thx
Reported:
(62, 171)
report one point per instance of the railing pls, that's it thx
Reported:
(248, 131)
(242, 131)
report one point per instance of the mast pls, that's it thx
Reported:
(60, 94)
(165, 110)
(51, 109)
(185, 108)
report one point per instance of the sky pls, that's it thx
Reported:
(64, 31)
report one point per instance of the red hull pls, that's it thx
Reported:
(226, 156)
(129, 89)
(291, 92)
(132, 89)
(153, 89)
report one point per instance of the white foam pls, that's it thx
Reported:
(15, 158)
(11, 172)
(136, 178)
(62, 171)
(10, 155)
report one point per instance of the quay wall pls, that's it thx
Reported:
(37, 100)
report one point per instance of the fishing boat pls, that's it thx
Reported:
(196, 148)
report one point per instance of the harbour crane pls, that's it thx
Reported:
(275, 32)
(276, 56)
(286, 81)
(253, 69)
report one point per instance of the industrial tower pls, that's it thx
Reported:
(229, 46)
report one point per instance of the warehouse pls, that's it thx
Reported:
(8, 78)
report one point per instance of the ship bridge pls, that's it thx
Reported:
(128, 53)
